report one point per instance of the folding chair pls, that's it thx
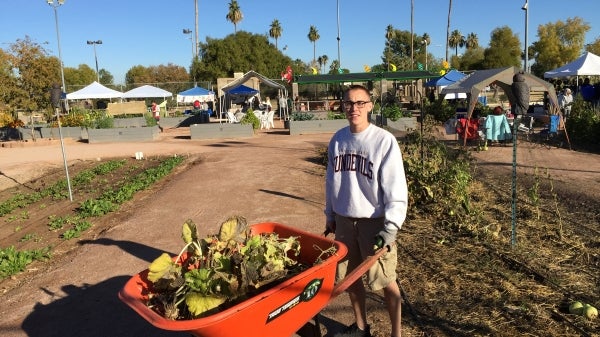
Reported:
(526, 126)
(231, 117)
(266, 120)
(270, 123)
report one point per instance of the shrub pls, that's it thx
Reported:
(392, 112)
(302, 116)
(251, 118)
(583, 126)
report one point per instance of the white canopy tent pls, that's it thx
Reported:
(587, 64)
(95, 91)
(147, 91)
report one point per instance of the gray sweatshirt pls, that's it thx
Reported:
(365, 176)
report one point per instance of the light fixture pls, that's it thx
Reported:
(94, 43)
(189, 31)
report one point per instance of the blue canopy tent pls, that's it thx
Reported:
(447, 79)
(195, 94)
(241, 90)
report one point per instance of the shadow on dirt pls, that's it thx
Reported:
(94, 310)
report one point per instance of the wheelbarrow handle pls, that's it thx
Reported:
(357, 272)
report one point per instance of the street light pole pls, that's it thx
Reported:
(195, 42)
(425, 43)
(94, 43)
(526, 9)
(55, 4)
(338, 37)
(57, 95)
(189, 31)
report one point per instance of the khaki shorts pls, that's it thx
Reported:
(359, 236)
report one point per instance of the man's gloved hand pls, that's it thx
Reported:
(385, 238)
(329, 227)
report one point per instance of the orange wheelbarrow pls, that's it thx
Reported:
(279, 311)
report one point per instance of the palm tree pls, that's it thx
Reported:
(448, 28)
(472, 41)
(456, 40)
(275, 31)
(426, 41)
(389, 35)
(322, 60)
(412, 35)
(325, 58)
(313, 36)
(235, 14)
(334, 66)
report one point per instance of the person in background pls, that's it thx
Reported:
(282, 104)
(587, 90)
(155, 109)
(565, 100)
(366, 200)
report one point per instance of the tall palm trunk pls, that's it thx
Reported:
(412, 42)
(448, 28)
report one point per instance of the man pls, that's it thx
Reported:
(565, 101)
(155, 109)
(365, 205)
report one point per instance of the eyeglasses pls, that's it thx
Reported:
(350, 104)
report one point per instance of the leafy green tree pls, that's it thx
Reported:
(559, 43)
(152, 75)
(472, 59)
(594, 47)
(235, 14)
(456, 40)
(242, 51)
(504, 49)
(79, 77)
(8, 82)
(275, 31)
(399, 50)
(30, 75)
(313, 36)
(106, 77)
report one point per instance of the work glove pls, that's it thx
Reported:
(329, 227)
(385, 238)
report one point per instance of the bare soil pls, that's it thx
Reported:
(456, 281)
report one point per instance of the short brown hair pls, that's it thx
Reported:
(357, 87)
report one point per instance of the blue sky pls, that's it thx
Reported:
(149, 32)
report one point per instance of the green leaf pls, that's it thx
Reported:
(233, 228)
(189, 232)
(198, 304)
(159, 267)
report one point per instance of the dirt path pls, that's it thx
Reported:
(270, 177)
